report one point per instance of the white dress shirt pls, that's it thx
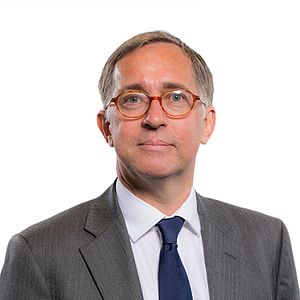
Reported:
(140, 219)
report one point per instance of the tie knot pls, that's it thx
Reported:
(170, 228)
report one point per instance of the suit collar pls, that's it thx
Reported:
(208, 209)
(108, 256)
(213, 217)
(103, 212)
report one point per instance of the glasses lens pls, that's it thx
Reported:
(133, 104)
(177, 103)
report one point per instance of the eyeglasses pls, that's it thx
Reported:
(175, 103)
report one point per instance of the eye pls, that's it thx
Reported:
(177, 96)
(130, 99)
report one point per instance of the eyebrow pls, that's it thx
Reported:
(173, 86)
(132, 87)
(164, 87)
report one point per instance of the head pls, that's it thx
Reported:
(156, 145)
(202, 73)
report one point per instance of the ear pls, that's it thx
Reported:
(208, 124)
(103, 125)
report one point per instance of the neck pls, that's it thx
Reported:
(166, 194)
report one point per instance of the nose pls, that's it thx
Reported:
(155, 116)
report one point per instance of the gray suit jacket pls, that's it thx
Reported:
(85, 253)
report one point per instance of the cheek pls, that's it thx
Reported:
(190, 137)
(122, 132)
(192, 130)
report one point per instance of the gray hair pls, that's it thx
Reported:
(202, 73)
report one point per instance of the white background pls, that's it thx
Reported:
(51, 55)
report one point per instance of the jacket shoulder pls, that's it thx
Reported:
(262, 243)
(245, 223)
(64, 224)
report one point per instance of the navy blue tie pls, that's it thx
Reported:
(172, 279)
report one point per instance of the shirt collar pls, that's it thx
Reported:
(140, 217)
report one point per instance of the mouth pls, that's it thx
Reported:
(155, 145)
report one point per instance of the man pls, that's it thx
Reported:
(150, 235)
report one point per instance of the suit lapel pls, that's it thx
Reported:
(233, 271)
(108, 256)
(220, 251)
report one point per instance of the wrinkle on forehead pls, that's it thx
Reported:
(153, 67)
(164, 86)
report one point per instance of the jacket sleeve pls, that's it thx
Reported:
(287, 285)
(21, 277)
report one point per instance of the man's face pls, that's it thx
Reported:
(156, 146)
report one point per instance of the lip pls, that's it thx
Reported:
(155, 145)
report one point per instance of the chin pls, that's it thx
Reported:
(152, 168)
(152, 175)
(157, 172)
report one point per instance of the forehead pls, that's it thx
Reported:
(153, 65)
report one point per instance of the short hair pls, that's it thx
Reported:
(202, 74)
